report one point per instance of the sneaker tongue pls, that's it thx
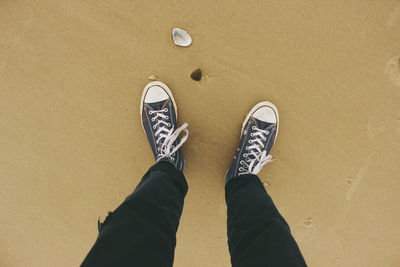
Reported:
(262, 124)
(158, 105)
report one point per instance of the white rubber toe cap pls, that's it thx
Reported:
(266, 114)
(155, 94)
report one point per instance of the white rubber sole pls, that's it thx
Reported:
(254, 109)
(166, 88)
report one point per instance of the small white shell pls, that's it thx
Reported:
(181, 37)
(152, 77)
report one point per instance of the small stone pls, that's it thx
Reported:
(152, 77)
(196, 75)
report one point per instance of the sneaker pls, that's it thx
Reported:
(159, 120)
(259, 132)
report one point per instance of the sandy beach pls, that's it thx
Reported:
(72, 146)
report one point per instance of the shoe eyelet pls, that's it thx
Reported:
(240, 169)
(150, 112)
(154, 127)
(165, 109)
(252, 134)
(245, 155)
(250, 141)
(172, 158)
(158, 149)
(167, 117)
(253, 127)
(153, 119)
(264, 139)
(169, 124)
(247, 148)
(267, 133)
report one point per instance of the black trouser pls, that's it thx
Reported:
(141, 231)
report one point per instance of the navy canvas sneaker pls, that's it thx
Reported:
(159, 120)
(259, 132)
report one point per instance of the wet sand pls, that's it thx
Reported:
(72, 147)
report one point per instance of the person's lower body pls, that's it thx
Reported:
(141, 231)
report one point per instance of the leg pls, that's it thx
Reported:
(257, 234)
(141, 231)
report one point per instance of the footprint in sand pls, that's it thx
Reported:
(392, 70)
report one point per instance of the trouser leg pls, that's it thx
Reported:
(141, 231)
(257, 234)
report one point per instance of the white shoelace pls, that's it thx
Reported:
(166, 147)
(259, 157)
